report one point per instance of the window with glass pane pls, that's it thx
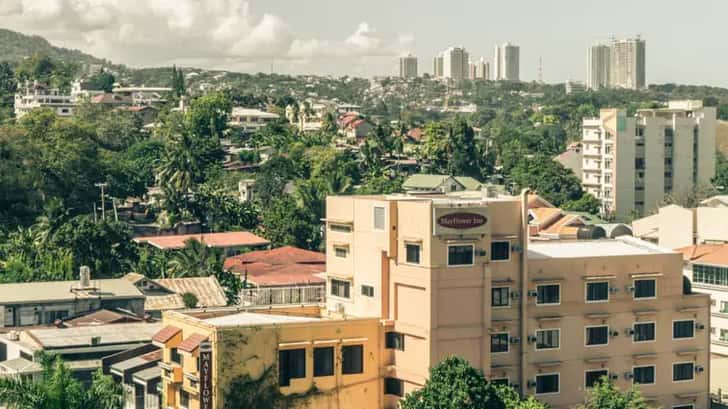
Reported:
(683, 372)
(291, 365)
(340, 251)
(500, 297)
(367, 290)
(323, 361)
(394, 340)
(592, 377)
(724, 335)
(548, 294)
(378, 218)
(547, 338)
(352, 359)
(643, 374)
(683, 329)
(500, 250)
(499, 342)
(644, 288)
(413, 253)
(500, 381)
(644, 331)
(597, 291)
(597, 335)
(460, 255)
(340, 288)
(393, 386)
(547, 384)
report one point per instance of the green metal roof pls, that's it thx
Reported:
(425, 181)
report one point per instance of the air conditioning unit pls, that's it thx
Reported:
(516, 248)
(613, 290)
(628, 375)
(531, 339)
(699, 368)
(515, 294)
(630, 289)
(515, 386)
(614, 333)
(482, 253)
(613, 376)
(533, 293)
(629, 332)
(699, 326)
(531, 383)
(515, 340)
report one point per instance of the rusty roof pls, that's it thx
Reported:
(208, 291)
(281, 266)
(226, 239)
(716, 254)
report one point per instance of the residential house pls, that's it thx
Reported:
(163, 294)
(428, 184)
(138, 371)
(32, 95)
(251, 120)
(232, 243)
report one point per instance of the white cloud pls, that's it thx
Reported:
(212, 33)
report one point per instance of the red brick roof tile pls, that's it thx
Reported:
(191, 343)
(165, 334)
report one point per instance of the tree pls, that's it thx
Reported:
(586, 203)
(209, 115)
(222, 211)
(190, 300)
(605, 395)
(102, 81)
(720, 181)
(178, 82)
(285, 224)
(464, 160)
(454, 384)
(8, 87)
(57, 388)
(271, 179)
(195, 260)
(546, 177)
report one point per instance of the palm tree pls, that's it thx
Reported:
(196, 260)
(57, 388)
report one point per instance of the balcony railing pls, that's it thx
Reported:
(284, 295)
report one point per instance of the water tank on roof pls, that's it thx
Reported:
(590, 233)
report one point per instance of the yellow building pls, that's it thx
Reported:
(414, 279)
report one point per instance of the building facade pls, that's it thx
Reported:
(506, 62)
(34, 95)
(437, 66)
(408, 66)
(627, 64)
(480, 70)
(598, 62)
(631, 163)
(455, 63)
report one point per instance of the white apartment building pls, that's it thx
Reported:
(251, 120)
(479, 70)
(36, 95)
(455, 62)
(506, 62)
(631, 163)
(408, 66)
(437, 66)
(627, 64)
(597, 73)
(574, 87)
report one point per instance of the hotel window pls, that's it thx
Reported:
(683, 329)
(413, 253)
(340, 288)
(341, 228)
(597, 335)
(643, 375)
(174, 356)
(710, 275)
(597, 291)
(591, 378)
(499, 342)
(547, 384)
(689, 406)
(394, 340)
(723, 335)
(460, 255)
(291, 365)
(352, 357)
(547, 339)
(184, 399)
(500, 297)
(393, 386)
(684, 371)
(548, 294)
(500, 381)
(340, 251)
(323, 361)
(643, 332)
(378, 218)
(645, 288)
(367, 290)
(500, 250)
(607, 179)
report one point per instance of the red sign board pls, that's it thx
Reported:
(462, 220)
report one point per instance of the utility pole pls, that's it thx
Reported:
(103, 204)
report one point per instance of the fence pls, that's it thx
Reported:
(283, 295)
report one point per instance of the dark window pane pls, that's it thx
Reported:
(682, 372)
(683, 329)
(413, 253)
(460, 255)
(592, 377)
(291, 365)
(548, 294)
(547, 383)
(393, 386)
(597, 291)
(644, 288)
(547, 339)
(644, 374)
(644, 332)
(500, 381)
(352, 359)
(500, 250)
(323, 361)
(597, 335)
(500, 297)
(499, 342)
(394, 340)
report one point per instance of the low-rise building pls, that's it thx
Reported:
(163, 294)
(251, 120)
(431, 183)
(232, 243)
(34, 95)
(42, 303)
(143, 96)
(138, 371)
(674, 226)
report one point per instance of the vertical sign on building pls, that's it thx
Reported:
(205, 375)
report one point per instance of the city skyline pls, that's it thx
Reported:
(253, 36)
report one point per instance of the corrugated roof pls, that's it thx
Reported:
(148, 374)
(46, 291)
(208, 291)
(82, 336)
(281, 266)
(226, 239)
(101, 317)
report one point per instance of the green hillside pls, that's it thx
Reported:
(15, 46)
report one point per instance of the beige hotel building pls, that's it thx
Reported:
(414, 279)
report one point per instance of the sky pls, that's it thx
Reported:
(686, 40)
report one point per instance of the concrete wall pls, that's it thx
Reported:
(677, 225)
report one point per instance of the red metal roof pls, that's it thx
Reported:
(226, 239)
(165, 334)
(281, 266)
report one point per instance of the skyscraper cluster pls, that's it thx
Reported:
(408, 66)
(455, 64)
(621, 64)
(506, 62)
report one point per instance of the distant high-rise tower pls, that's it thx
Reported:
(506, 62)
(479, 70)
(437, 66)
(455, 63)
(598, 62)
(627, 64)
(408, 66)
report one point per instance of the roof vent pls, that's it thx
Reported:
(85, 277)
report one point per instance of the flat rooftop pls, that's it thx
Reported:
(621, 246)
(225, 239)
(250, 318)
(82, 336)
(50, 291)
